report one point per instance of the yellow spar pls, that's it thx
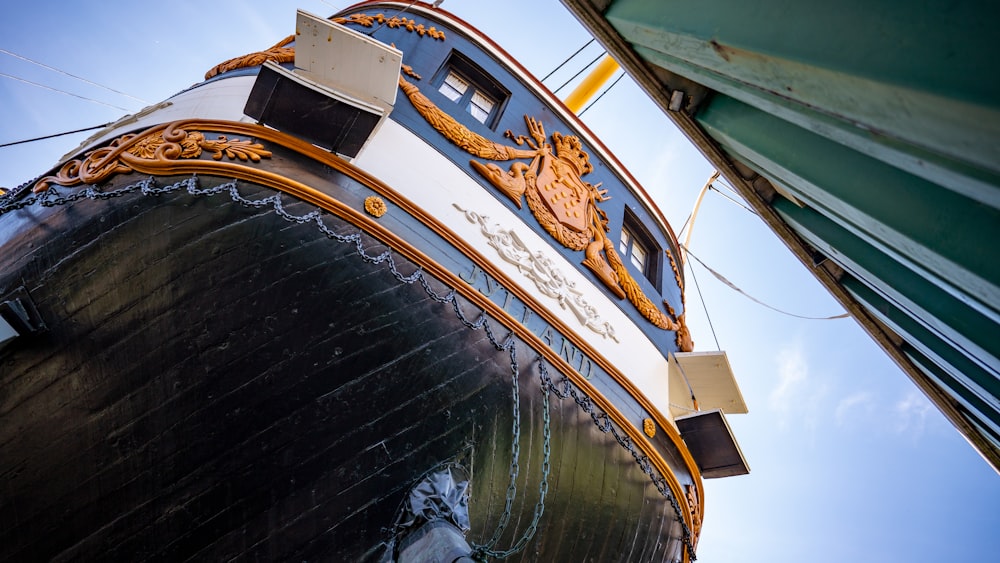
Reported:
(591, 83)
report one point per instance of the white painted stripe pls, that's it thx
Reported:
(417, 170)
(430, 180)
(220, 99)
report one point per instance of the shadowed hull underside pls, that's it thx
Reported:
(220, 381)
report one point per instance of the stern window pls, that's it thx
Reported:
(638, 249)
(633, 250)
(453, 87)
(481, 106)
(469, 97)
(464, 83)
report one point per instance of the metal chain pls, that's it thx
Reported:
(564, 389)
(481, 552)
(484, 551)
(515, 448)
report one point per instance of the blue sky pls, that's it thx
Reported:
(849, 461)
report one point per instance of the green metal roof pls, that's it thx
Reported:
(867, 136)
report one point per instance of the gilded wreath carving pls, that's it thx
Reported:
(155, 147)
(278, 54)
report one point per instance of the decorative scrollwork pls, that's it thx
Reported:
(563, 203)
(695, 508)
(233, 149)
(278, 54)
(683, 340)
(677, 272)
(538, 268)
(393, 22)
(155, 147)
(408, 70)
(281, 53)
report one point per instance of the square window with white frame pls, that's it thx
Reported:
(471, 89)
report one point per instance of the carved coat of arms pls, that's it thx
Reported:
(550, 177)
(551, 182)
(562, 202)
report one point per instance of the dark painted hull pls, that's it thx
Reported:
(220, 382)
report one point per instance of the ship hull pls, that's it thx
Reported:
(274, 316)
(220, 380)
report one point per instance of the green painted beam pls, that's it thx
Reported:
(963, 343)
(909, 87)
(961, 388)
(974, 407)
(936, 232)
(941, 46)
(884, 119)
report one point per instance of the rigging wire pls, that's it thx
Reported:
(735, 197)
(722, 278)
(727, 185)
(711, 186)
(63, 92)
(336, 8)
(55, 135)
(684, 225)
(562, 64)
(694, 400)
(572, 78)
(601, 95)
(703, 305)
(60, 71)
(730, 198)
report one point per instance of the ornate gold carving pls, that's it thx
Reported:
(160, 145)
(393, 22)
(552, 184)
(695, 507)
(548, 279)
(457, 133)
(408, 70)
(304, 192)
(648, 427)
(280, 53)
(375, 206)
(677, 273)
(684, 342)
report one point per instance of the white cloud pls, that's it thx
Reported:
(911, 414)
(797, 394)
(849, 406)
(793, 374)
